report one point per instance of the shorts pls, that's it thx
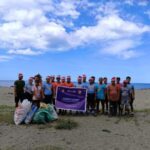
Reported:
(124, 102)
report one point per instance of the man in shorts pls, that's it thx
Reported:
(132, 95)
(125, 96)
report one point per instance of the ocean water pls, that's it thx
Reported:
(138, 86)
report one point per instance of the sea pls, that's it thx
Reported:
(137, 86)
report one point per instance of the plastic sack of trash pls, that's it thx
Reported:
(21, 111)
(44, 115)
(30, 114)
(52, 112)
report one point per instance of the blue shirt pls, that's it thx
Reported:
(28, 88)
(131, 87)
(91, 88)
(47, 87)
(77, 85)
(85, 85)
(100, 91)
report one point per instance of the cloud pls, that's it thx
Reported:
(24, 52)
(121, 48)
(119, 36)
(110, 27)
(34, 27)
(137, 2)
(129, 2)
(143, 2)
(4, 58)
(67, 8)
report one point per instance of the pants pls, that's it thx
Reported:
(36, 102)
(131, 104)
(28, 96)
(19, 97)
(113, 108)
(119, 106)
(48, 99)
(106, 104)
(102, 104)
(91, 101)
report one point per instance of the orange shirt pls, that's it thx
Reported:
(69, 84)
(113, 92)
(63, 84)
(55, 85)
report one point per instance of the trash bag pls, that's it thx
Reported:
(52, 112)
(21, 111)
(30, 114)
(43, 105)
(45, 115)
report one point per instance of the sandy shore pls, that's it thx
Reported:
(93, 133)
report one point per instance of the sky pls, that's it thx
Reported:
(74, 37)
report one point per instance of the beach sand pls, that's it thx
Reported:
(93, 133)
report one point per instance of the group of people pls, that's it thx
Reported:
(116, 98)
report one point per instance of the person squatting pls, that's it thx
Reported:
(116, 98)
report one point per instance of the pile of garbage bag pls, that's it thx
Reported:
(27, 113)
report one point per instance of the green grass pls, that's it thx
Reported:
(143, 110)
(5, 108)
(44, 126)
(6, 114)
(66, 124)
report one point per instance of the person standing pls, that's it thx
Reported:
(19, 89)
(132, 94)
(100, 95)
(53, 88)
(125, 96)
(52, 79)
(91, 92)
(119, 85)
(69, 83)
(113, 96)
(63, 81)
(106, 96)
(38, 94)
(79, 83)
(57, 83)
(28, 89)
(47, 88)
(84, 82)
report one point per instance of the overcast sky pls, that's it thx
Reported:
(75, 37)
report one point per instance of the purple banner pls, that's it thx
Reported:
(71, 98)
